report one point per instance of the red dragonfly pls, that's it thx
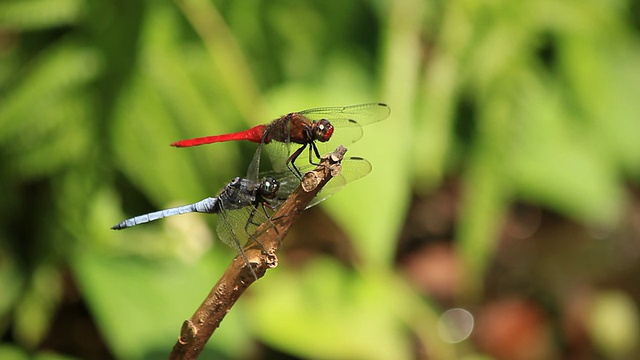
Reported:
(307, 128)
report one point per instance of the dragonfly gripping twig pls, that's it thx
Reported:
(197, 330)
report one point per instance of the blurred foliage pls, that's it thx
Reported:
(522, 101)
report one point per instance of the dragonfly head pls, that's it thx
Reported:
(322, 130)
(269, 187)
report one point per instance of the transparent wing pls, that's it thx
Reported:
(364, 114)
(347, 122)
(239, 226)
(276, 153)
(227, 230)
(254, 166)
(353, 168)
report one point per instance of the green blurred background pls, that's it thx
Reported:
(505, 181)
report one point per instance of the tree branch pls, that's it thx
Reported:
(197, 330)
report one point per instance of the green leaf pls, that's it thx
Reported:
(40, 14)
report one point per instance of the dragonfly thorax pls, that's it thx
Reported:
(240, 193)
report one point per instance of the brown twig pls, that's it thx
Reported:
(198, 329)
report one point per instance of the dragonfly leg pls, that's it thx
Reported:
(273, 207)
(314, 149)
(291, 161)
(270, 220)
(266, 213)
(285, 215)
(251, 235)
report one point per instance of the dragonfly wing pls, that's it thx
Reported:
(254, 166)
(240, 225)
(234, 200)
(347, 121)
(353, 168)
(348, 133)
(227, 229)
(364, 114)
(278, 153)
(333, 186)
(235, 228)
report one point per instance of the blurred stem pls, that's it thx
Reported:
(483, 207)
(486, 191)
(440, 91)
(401, 68)
(232, 68)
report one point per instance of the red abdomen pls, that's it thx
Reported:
(254, 135)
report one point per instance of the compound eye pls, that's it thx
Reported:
(323, 130)
(269, 187)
